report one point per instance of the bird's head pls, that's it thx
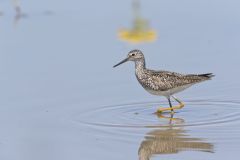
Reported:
(133, 55)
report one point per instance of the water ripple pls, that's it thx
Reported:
(203, 112)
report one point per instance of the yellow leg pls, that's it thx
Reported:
(172, 108)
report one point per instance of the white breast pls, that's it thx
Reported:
(169, 92)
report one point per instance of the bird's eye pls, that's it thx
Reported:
(133, 54)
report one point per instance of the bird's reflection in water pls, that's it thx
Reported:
(140, 31)
(170, 140)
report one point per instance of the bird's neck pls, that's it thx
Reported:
(140, 65)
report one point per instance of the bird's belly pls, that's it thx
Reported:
(169, 92)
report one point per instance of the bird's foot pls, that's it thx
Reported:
(161, 110)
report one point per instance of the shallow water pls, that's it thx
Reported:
(61, 98)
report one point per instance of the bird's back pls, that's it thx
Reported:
(165, 80)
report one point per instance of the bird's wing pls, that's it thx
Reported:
(164, 80)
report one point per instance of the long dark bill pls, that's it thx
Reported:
(123, 61)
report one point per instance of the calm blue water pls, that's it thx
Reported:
(61, 99)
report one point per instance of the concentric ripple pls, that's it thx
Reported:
(195, 113)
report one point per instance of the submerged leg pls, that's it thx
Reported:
(166, 117)
(170, 118)
(181, 105)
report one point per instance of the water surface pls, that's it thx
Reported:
(61, 98)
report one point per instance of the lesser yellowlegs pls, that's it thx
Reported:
(163, 83)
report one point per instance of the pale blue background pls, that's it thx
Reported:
(57, 60)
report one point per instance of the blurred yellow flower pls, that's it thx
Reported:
(140, 31)
(137, 36)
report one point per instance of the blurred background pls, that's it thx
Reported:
(56, 61)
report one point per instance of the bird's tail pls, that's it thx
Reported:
(206, 75)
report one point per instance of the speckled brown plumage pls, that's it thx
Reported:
(164, 80)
